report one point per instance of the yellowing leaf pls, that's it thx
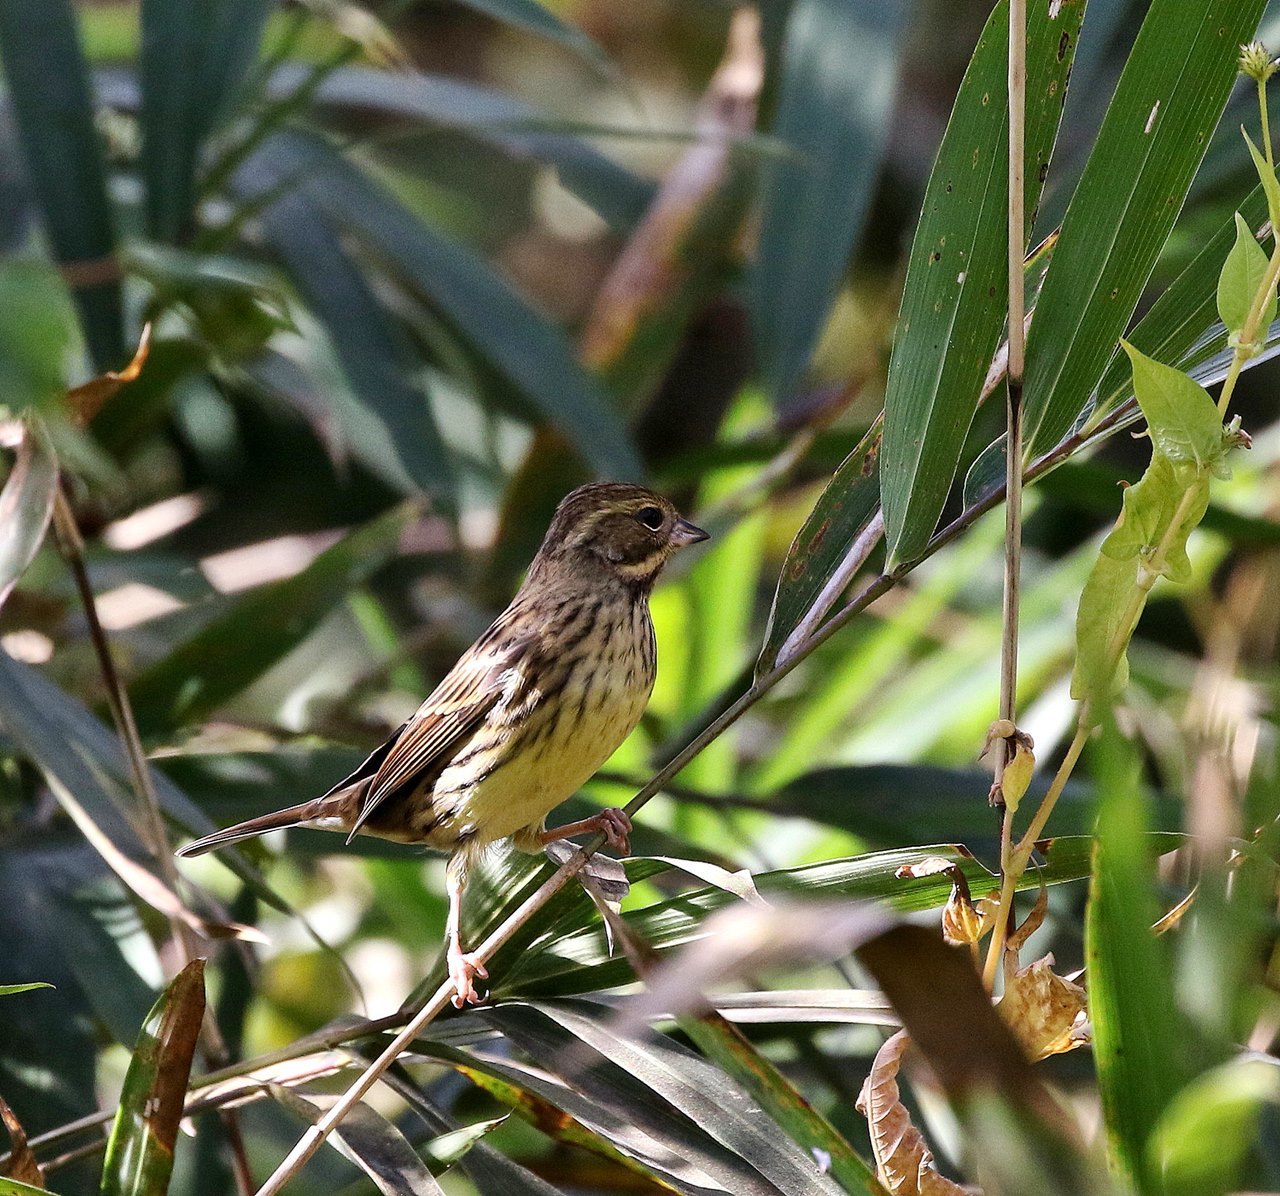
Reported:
(1045, 1012)
(904, 1162)
(1240, 280)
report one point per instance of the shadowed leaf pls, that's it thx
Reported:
(26, 503)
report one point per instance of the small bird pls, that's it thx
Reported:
(529, 712)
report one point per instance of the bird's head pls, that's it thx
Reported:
(627, 530)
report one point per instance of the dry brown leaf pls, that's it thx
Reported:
(963, 922)
(21, 1164)
(88, 399)
(904, 1163)
(1045, 1012)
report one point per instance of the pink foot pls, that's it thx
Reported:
(615, 824)
(464, 967)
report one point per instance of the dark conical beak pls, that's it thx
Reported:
(684, 533)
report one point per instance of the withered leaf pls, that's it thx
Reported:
(1045, 1011)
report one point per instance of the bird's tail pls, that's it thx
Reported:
(323, 812)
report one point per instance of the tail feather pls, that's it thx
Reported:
(319, 812)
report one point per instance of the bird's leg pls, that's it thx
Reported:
(613, 823)
(464, 967)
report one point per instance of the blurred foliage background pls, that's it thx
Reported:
(413, 271)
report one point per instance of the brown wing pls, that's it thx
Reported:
(453, 710)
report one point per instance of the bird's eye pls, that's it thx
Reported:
(651, 517)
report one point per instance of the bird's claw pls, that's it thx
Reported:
(464, 967)
(615, 825)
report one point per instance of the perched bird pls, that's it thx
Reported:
(529, 712)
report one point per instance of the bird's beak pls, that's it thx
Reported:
(684, 533)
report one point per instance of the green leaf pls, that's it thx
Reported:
(767, 1161)
(1183, 420)
(529, 351)
(538, 19)
(139, 1159)
(573, 955)
(1240, 281)
(1155, 134)
(15, 1187)
(730, 1050)
(1107, 616)
(955, 300)
(261, 628)
(1139, 1039)
(1180, 326)
(841, 514)
(368, 345)
(48, 86)
(8, 990)
(193, 60)
(1267, 177)
(26, 503)
(837, 68)
(1146, 518)
(1204, 1137)
(367, 1139)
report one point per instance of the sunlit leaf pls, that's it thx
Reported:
(139, 1159)
(26, 503)
(1241, 279)
(1155, 134)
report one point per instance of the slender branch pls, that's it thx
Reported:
(1011, 598)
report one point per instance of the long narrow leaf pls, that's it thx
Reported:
(954, 303)
(365, 340)
(838, 66)
(48, 86)
(1155, 134)
(139, 1157)
(232, 651)
(26, 503)
(194, 56)
(1140, 1041)
(520, 343)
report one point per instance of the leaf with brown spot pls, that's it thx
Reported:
(139, 1160)
(22, 1164)
(903, 1159)
(87, 399)
(1045, 1011)
(812, 575)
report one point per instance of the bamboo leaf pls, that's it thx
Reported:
(837, 70)
(26, 503)
(1139, 1039)
(8, 990)
(842, 513)
(381, 1151)
(48, 85)
(730, 1050)
(194, 57)
(139, 1159)
(228, 654)
(519, 342)
(1152, 141)
(953, 304)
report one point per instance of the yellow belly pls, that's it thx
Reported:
(579, 736)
